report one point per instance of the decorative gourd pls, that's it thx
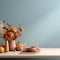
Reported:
(2, 49)
(19, 46)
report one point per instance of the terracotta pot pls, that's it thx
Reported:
(12, 45)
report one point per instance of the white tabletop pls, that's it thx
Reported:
(44, 53)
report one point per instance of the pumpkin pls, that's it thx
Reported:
(19, 48)
(19, 44)
(2, 49)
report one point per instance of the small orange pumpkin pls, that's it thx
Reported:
(19, 44)
(2, 49)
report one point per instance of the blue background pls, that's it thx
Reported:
(40, 19)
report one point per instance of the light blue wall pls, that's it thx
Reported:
(40, 19)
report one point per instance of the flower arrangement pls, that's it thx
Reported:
(10, 34)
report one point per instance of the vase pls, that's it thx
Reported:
(6, 46)
(12, 45)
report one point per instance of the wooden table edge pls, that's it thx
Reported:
(29, 56)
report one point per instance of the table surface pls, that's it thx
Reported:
(44, 53)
